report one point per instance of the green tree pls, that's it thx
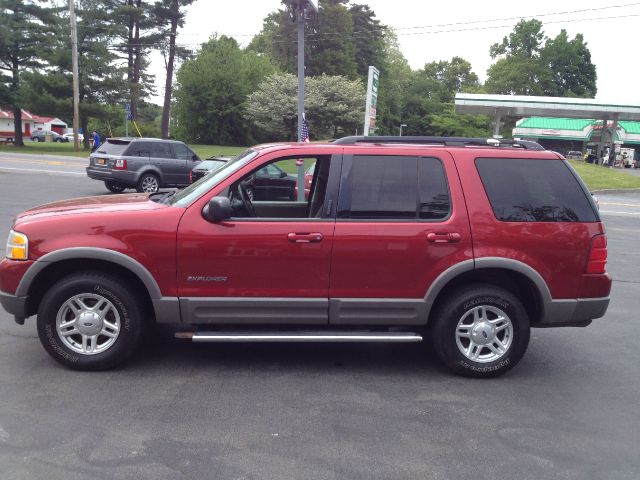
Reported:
(102, 81)
(134, 24)
(24, 25)
(211, 89)
(338, 40)
(278, 40)
(525, 41)
(333, 50)
(446, 78)
(369, 39)
(428, 107)
(532, 64)
(569, 64)
(395, 78)
(519, 71)
(334, 106)
(170, 15)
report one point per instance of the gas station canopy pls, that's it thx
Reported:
(527, 106)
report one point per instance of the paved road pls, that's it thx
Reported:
(42, 164)
(197, 411)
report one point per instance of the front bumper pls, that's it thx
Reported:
(16, 306)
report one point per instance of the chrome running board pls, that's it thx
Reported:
(381, 337)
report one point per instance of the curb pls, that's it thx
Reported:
(617, 190)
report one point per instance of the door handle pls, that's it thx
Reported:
(304, 237)
(443, 237)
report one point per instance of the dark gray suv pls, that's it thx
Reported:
(146, 164)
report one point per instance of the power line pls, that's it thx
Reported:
(312, 37)
(567, 12)
(423, 27)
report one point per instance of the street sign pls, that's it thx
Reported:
(372, 101)
(127, 110)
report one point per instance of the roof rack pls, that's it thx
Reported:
(446, 141)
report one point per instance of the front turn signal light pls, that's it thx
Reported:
(17, 246)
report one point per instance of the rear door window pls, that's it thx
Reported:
(161, 150)
(182, 152)
(395, 188)
(139, 149)
(528, 190)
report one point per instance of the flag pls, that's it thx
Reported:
(305, 129)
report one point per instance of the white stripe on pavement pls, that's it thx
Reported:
(29, 170)
(619, 213)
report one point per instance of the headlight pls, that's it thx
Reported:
(17, 246)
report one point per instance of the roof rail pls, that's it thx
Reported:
(446, 141)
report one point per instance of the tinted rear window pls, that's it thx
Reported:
(139, 149)
(396, 187)
(113, 147)
(523, 190)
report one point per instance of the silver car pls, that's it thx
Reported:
(146, 164)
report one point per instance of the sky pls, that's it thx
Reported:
(431, 31)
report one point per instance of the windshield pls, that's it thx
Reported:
(194, 191)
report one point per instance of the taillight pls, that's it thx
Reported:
(598, 255)
(121, 164)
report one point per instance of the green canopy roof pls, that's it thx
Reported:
(548, 123)
(630, 127)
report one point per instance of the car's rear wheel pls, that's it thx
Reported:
(114, 186)
(148, 183)
(480, 331)
(90, 321)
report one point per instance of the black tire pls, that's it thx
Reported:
(148, 179)
(459, 307)
(123, 309)
(114, 186)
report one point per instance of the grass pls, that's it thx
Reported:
(66, 149)
(42, 148)
(600, 178)
(205, 151)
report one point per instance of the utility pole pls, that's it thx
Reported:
(300, 12)
(301, 4)
(76, 83)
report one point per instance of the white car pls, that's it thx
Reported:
(70, 137)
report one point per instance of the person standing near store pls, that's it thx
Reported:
(96, 140)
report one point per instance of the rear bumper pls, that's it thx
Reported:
(573, 313)
(121, 176)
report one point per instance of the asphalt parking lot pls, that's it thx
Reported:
(569, 410)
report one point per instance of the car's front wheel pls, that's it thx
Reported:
(148, 183)
(90, 321)
(114, 187)
(480, 330)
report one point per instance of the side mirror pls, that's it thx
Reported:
(217, 209)
(283, 174)
(195, 158)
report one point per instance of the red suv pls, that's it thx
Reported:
(470, 241)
